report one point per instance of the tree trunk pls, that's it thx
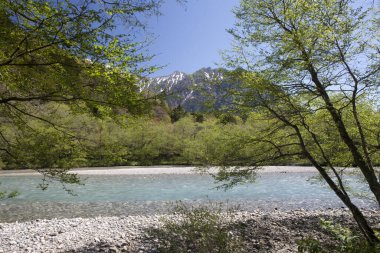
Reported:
(363, 225)
(367, 171)
(361, 221)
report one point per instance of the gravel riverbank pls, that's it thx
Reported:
(275, 231)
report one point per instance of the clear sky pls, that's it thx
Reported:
(190, 37)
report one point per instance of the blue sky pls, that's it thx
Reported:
(190, 37)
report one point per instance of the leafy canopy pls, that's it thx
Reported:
(304, 60)
(82, 54)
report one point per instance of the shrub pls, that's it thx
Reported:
(203, 229)
(345, 241)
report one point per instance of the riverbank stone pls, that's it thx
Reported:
(275, 231)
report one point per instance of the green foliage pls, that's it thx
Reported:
(8, 195)
(344, 235)
(201, 229)
(69, 53)
(227, 118)
(298, 64)
(309, 245)
(103, 141)
(345, 241)
(86, 140)
(45, 149)
(198, 117)
(177, 113)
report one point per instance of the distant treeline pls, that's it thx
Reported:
(165, 137)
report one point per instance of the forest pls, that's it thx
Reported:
(168, 137)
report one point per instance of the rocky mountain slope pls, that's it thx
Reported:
(203, 90)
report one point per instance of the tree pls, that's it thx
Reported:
(177, 113)
(298, 60)
(68, 52)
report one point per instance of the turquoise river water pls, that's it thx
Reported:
(146, 194)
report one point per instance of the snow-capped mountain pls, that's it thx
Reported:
(199, 91)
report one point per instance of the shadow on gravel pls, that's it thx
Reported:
(107, 247)
(263, 233)
(251, 233)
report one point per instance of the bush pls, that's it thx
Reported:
(227, 118)
(345, 241)
(202, 229)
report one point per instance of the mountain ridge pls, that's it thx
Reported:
(200, 91)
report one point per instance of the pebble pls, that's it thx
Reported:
(268, 231)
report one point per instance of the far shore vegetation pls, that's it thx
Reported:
(165, 137)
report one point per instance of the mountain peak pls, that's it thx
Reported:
(177, 72)
(188, 90)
